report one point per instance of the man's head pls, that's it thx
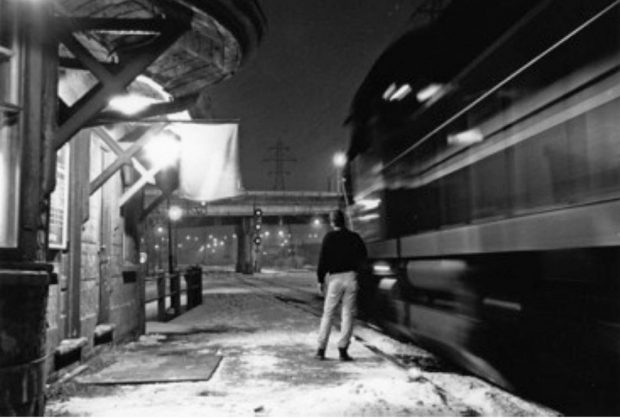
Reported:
(336, 218)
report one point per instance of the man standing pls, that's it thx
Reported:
(342, 255)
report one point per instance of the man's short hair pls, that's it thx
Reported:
(336, 217)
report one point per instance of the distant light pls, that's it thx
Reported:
(468, 137)
(280, 233)
(130, 104)
(163, 150)
(175, 213)
(428, 92)
(160, 229)
(316, 222)
(340, 159)
(266, 233)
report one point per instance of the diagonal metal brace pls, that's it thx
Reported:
(118, 150)
(111, 83)
(141, 135)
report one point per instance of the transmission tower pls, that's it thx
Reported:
(279, 157)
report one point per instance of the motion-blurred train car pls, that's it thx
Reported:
(484, 168)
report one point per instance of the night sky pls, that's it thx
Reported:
(298, 86)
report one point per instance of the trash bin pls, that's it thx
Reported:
(193, 281)
(23, 304)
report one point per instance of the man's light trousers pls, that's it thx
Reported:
(340, 287)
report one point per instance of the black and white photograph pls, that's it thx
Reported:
(309, 208)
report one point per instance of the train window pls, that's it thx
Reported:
(602, 143)
(542, 170)
(490, 186)
(427, 208)
(455, 197)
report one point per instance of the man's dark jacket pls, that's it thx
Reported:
(342, 250)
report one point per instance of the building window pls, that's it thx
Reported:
(10, 113)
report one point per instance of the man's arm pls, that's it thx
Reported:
(321, 270)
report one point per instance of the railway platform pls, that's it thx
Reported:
(248, 351)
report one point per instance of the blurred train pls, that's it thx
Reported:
(484, 175)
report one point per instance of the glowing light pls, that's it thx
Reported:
(393, 93)
(339, 159)
(471, 136)
(401, 93)
(381, 268)
(367, 218)
(160, 229)
(428, 92)
(130, 104)
(175, 213)
(316, 222)
(389, 91)
(163, 150)
(369, 204)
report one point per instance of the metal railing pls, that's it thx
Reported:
(168, 291)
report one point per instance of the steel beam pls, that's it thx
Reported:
(85, 57)
(96, 99)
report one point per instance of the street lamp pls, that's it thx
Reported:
(175, 213)
(339, 160)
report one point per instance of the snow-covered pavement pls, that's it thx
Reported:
(264, 329)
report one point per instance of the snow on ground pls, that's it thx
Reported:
(268, 369)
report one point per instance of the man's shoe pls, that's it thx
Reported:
(320, 354)
(344, 356)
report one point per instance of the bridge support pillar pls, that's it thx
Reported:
(243, 230)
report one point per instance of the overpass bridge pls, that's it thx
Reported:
(276, 208)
